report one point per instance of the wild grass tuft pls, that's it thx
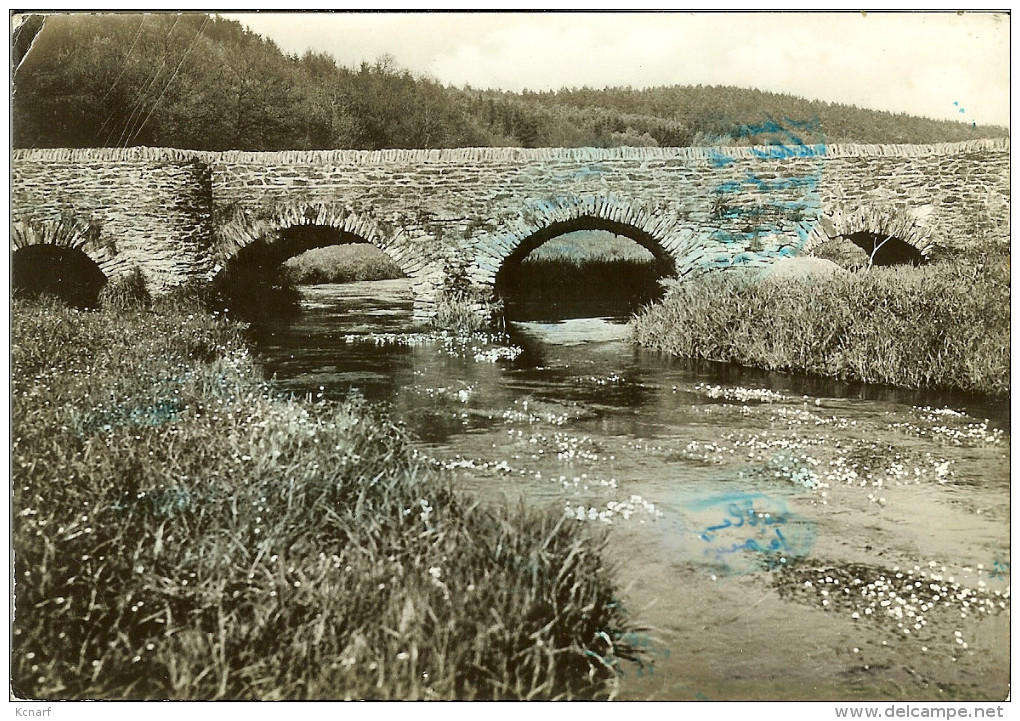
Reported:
(939, 326)
(126, 292)
(180, 532)
(465, 313)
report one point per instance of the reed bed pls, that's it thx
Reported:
(942, 326)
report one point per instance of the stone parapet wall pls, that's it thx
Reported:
(442, 155)
(175, 213)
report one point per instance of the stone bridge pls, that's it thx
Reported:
(465, 213)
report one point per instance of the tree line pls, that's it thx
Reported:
(204, 82)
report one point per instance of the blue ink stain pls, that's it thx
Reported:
(772, 216)
(155, 415)
(1000, 570)
(753, 531)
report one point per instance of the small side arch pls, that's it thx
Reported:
(889, 236)
(71, 233)
(63, 257)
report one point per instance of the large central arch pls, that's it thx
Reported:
(658, 231)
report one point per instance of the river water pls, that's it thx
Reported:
(779, 536)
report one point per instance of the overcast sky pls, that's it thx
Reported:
(941, 65)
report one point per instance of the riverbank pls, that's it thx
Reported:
(181, 532)
(944, 326)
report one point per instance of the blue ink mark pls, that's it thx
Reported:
(155, 415)
(1000, 570)
(649, 651)
(752, 531)
(646, 666)
(591, 171)
(753, 223)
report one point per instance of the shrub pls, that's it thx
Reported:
(340, 264)
(461, 306)
(465, 313)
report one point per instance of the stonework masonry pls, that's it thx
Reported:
(179, 214)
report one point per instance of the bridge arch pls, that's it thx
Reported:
(888, 235)
(69, 233)
(658, 231)
(64, 257)
(266, 236)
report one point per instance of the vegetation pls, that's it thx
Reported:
(179, 532)
(945, 325)
(127, 292)
(204, 82)
(463, 312)
(340, 264)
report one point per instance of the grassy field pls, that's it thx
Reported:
(588, 245)
(940, 326)
(340, 264)
(180, 532)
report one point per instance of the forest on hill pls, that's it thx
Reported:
(205, 82)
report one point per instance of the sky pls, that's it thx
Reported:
(940, 65)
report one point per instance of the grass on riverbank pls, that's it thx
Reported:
(179, 532)
(942, 326)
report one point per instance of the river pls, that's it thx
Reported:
(779, 536)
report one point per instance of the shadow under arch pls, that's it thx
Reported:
(886, 235)
(65, 272)
(885, 249)
(252, 281)
(611, 283)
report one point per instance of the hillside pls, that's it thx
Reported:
(205, 82)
